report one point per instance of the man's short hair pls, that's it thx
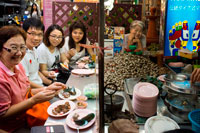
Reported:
(33, 23)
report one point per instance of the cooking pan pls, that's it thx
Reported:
(180, 105)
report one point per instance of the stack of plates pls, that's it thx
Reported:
(145, 99)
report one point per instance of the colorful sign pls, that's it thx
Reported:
(182, 29)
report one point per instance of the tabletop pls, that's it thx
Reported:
(78, 82)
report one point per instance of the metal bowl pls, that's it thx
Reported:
(181, 105)
(177, 77)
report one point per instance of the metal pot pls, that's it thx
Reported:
(113, 106)
(181, 97)
(112, 103)
(180, 105)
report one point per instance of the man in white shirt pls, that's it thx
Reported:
(35, 29)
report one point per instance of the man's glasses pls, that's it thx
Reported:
(16, 49)
(34, 34)
(56, 37)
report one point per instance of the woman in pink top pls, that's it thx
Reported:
(13, 82)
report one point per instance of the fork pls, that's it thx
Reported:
(77, 129)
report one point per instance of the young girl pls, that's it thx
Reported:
(35, 12)
(77, 35)
(50, 51)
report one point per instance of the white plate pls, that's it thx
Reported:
(72, 97)
(161, 78)
(85, 58)
(160, 124)
(87, 66)
(82, 113)
(83, 71)
(60, 102)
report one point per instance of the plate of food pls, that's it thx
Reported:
(70, 93)
(85, 63)
(83, 72)
(61, 108)
(85, 59)
(81, 118)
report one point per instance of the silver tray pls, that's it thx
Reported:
(193, 89)
(129, 84)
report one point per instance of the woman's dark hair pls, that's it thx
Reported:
(34, 4)
(7, 32)
(48, 32)
(77, 25)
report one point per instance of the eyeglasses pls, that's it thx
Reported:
(16, 49)
(56, 37)
(34, 34)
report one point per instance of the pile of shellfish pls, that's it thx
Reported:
(124, 66)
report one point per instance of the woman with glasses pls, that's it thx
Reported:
(136, 36)
(50, 51)
(77, 35)
(14, 83)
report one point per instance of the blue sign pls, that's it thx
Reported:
(182, 27)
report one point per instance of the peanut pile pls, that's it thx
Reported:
(124, 66)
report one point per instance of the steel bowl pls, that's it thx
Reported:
(181, 105)
(176, 77)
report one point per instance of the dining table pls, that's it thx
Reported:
(79, 82)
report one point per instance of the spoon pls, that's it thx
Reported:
(77, 130)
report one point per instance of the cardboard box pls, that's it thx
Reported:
(187, 53)
(118, 43)
(109, 52)
(112, 32)
(119, 32)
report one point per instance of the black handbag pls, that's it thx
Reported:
(63, 74)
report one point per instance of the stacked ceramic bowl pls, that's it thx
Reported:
(145, 99)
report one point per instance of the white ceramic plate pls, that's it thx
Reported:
(60, 102)
(83, 71)
(161, 78)
(160, 124)
(72, 97)
(82, 113)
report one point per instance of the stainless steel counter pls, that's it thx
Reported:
(162, 109)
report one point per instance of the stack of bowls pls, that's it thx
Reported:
(145, 99)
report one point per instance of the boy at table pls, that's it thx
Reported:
(35, 30)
